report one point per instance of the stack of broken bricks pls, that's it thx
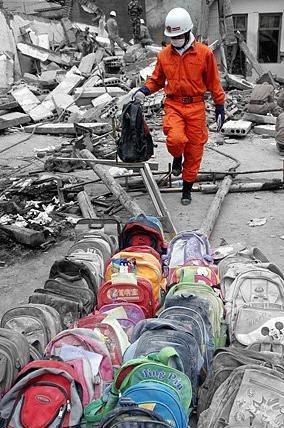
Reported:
(70, 88)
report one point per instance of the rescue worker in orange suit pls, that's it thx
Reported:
(186, 69)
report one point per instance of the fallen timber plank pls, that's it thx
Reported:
(244, 187)
(208, 223)
(65, 128)
(129, 204)
(157, 199)
(23, 235)
(86, 205)
(135, 165)
(235, 187)
(249, 55)
(13, 119)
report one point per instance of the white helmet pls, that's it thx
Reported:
(178, 21)
(113, 13)
(142, 21)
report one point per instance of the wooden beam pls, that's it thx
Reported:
(158, 201)
(129, 204)
(109, 162)
(208, 223)
(23, 235)
(249, 55)
(86, 205)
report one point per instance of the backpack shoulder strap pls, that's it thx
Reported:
(134, 112)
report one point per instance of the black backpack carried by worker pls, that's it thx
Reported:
(135, 143)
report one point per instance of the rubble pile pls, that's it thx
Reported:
(78, 89)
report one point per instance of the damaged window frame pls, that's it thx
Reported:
(243, 29)
(269, 29)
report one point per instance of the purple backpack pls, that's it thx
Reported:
(188, 248)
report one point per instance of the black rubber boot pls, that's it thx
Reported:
(177, 166)
(186, 192)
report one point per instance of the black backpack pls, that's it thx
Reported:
(135, 143)
(133, 416)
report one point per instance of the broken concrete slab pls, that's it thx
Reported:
(87, 63)
(44, 54)
(265, 130)
(260, 118)
(13, 119)
(68, 84)
(93, 80)
(238, 82)
(97, 91)
(62, 101)
(31, 104)
(25, 98)
(238, 128)
(102, 100)
(67, 128)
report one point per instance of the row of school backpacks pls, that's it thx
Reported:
(186, 323)
(246, 384)
(143, 353)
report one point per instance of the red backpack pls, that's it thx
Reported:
(141, 294)
(143, 230)
(45, 392)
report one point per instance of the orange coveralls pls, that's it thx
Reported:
(187, 75)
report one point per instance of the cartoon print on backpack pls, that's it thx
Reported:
(275, 332)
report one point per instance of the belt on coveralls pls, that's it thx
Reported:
(186, 100)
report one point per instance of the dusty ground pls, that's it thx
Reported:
(17, 282)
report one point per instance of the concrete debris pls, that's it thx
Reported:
(257, 222)
(236, 127)
(59, 78)
(265, 130)
(13, 119)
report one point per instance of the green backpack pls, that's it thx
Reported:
(153, 368)
(215, 304)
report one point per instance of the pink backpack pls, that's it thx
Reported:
(90, 346)
(133, 312)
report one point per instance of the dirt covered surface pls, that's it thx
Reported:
(23, 269)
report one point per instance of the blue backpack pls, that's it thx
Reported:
(194, 307)
(152, 383)
(163, 399)
(152, 335)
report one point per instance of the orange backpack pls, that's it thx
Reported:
(148, 267)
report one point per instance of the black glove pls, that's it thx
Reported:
(220, 111)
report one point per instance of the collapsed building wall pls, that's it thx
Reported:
(121, 7)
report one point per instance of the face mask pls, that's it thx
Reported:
(178, 43)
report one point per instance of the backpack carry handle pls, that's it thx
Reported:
(171, 358)
(100, 222)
